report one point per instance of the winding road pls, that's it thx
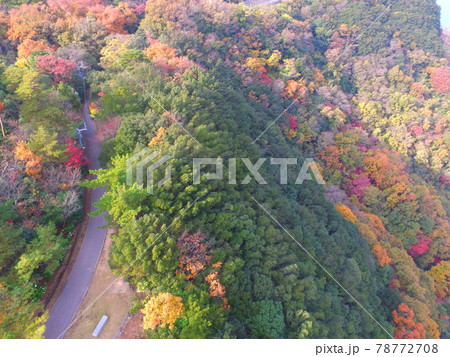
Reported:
(76, 286)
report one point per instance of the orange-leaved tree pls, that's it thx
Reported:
(116, 19)
(404, 324)
(216, 289)
(194, 253)
(27, 47)
(381, 254)
(166, 58)
(33, 162)
(296, 90)
(27, 21)
(158, 138)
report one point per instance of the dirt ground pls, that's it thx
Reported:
(114, 303)
(133, 327)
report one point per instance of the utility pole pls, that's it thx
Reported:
(81, 67)
(80, 135)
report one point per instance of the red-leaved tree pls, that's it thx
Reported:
(440, 79)
(357, 186)
(59, 69)
(292, 122)
(421, 247)
(76, 157)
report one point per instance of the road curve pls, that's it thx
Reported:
(66, 306)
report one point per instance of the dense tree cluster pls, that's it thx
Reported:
(40, 199)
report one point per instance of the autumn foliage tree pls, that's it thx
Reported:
(346, 213)
(116, 19)
(33, 163)
(381, 254)
(441, 276)
(216, 289)
(166, 58)
(358, 185)
(27, 47)
(295, 90)
(404, 324)
(331, 156)
(76, 8)
(194, 253)
(292, 122)
(421, 247)
(440, 79)
(76, 156)
(162, 310)
(385, 168)
(158, 137)
(28, 22)
(59, 69)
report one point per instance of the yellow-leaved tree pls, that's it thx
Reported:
(162, 310)
(346, 213)
(441, 276)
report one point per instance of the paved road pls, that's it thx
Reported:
(76, 286)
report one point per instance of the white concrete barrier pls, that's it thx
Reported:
(100, 326)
